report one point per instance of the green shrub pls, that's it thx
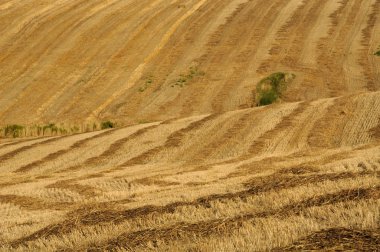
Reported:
(270, 89)
(107, 125)
(62, 131)
(52, 127)
(268, 98)
(377, 53)
(13, 130)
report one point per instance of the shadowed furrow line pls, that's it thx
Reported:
(332, 47)
(261, 185)
(334, 239)
(14, 182)
(174, 140)
(25, 59)
(195, 31)
(19, 142)
(84, 190)
(293, 54)
(57, 154)
(366, 38)
(33, 204)
(214, 48)
(163, 41)
(282, 37)
(235, 129)
(13, 153)
(225, 226)
(327, 130)
(258, 29)
(116, 146)
(260, 144)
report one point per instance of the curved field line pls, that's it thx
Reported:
(137, 73)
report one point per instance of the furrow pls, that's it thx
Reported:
(225, 226)
(33, 204)
(137, 73)
(261, 185)
(84, 190)
(219, 46)
(282, 37)
(328, 130)
(227, 137)
(302, 33)
(55, 155)
(247, 49)
(129, 29)
(13, 153)
(188, 39)
(335, 46)
(260, 145)
(12, 143)
(116, 146)
(173, 141)
(367, 36)
(35, 49)
(334, 239)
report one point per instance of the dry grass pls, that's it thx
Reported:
(284, 198)
(210, 171)
(339, 239)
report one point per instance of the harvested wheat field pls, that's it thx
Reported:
(241, 125)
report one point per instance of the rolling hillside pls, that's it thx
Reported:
(204, 182)
(76, 60)
(198, 166)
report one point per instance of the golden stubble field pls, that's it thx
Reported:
(200, 168)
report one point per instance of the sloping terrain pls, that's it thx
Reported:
(77, 60)
(200, 167)
(258, 178)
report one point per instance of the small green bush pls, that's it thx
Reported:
(62, 131)
(13, 130)
(52, 127)
(269, 89)
(377, 53)
(268, 98)
(107, 125)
